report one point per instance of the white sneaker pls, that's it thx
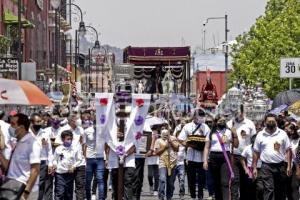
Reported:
(151, 189)
(155, 193)
(94, 197)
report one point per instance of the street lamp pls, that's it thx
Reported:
(56, 4)
(225, 45)
(97, 47)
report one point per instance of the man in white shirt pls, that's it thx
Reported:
(78, 142)
(273, 147)
(95, 159)
(25, 159)
(245, 129)
(7, 139)
(193, 156)
(46, 167)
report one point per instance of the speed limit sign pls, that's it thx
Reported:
(289, 68)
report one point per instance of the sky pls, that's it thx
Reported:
(168, 22)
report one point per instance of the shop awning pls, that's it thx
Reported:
(11, 19)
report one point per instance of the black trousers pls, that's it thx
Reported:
(293, 186)
(239, 183)
(220, 174)
(46, 183)
(274, 181)
(196, 173)
(153, 173)
(80, 175)
(138, 178)
(128, 191)
(64, 186)
(254, 189)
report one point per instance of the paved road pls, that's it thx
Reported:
(146, 194)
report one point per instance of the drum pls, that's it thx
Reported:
(196, 142)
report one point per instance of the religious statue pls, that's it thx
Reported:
(168, 83)
(208, 94)
(140, 87)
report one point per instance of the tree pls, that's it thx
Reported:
(256, 55)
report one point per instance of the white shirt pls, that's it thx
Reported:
(181, 155)
(188, 129)
(78, 134)
(272, 147)
(46, 153)
(52, 132)
(152, 160)
(294, 147)
(7, 139)
(248, 155)
(215, 145)
(245, 130)
(66, 158)
(27, 152)
(90, 138)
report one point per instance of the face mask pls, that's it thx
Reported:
(239, 119)
(67, 143)
(12, 132)
(164, 134)
(221, 125)
(271, 126)
(200, 120)
(36, 127)
(55, 124)
(86, 123)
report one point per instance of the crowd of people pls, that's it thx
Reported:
(56, 155)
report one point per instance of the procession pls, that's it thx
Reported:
(138, 115)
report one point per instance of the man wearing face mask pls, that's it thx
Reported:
(54, 129)
(245, 129)
(94, 157)
(46, 167)
(6, 136)
(79, 143)
(193, 156)
(24, 165)
(272, 146)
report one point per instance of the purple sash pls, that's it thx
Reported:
(225, 155)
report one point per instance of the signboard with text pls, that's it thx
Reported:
(8, 65)
(289, 68)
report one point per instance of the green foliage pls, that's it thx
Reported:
(4, 44)
(256, 55)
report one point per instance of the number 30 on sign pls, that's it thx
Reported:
(289, 68)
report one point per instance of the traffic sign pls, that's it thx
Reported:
(290, 68)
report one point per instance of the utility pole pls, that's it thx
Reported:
(20, 56)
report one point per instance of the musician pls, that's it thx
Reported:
(166, 148)
(245, 129)
(217, 146)
(194, 157)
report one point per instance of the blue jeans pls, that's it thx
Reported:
(180, 173)
(98, 165)
(166, 181)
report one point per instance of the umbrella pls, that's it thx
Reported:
(14, 92)
(152, 120)
(287, 97)
(278, 110)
